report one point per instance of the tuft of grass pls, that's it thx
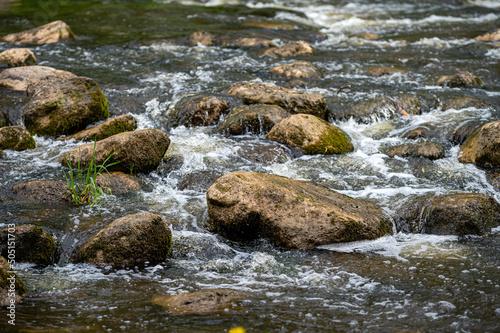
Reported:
(82, 182)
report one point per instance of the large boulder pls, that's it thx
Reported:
(20, 78)
(110, 127)
(461, 79)
(12, 289)
(429, 150)
(199, 110)
(482, 147)
(493, 36)
(290, 50)
(310, 135)
(137, 151)
(292, 214)
(117, 183)
(298, 70)
(49, 33)
(16, 138)
(256, 118)
(454, 214)
(133, 240)
(17, 57)
(64, 106)
(200, 302)
(33, 244)
(292, 101)
(42, 192)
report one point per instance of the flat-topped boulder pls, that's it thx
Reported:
(49, 33)
(10, 281)
(110, 127)
(33, 244)
(133, 240)
(137, 151)
(42, 192)
(310, 135)
(292, 101)
(292, 214)
(64, 106)
(16, 138)
(453, 214)
(482, 147)
(298, 70)
(256, 119)
(461, 79)
(17, 57)
(290, 50)
(20, 78)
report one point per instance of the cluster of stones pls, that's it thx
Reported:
(292, 214)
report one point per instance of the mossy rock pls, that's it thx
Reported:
(16, 138)
(429, 150)
(110, 127)
(33, 244)
(133, 240)
(64, 106)
(482, 147)
(9, 279)
(310, 135)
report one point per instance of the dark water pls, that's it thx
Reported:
(138, 53)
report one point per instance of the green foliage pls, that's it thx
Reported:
(82, 182)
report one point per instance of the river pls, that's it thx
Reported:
(138, 54)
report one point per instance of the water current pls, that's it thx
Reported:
(138, 54)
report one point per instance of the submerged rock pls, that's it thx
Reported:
(118, 183)
(257, 119)
(16, 138)
(310, 135)
(137, 151)
(20, 78)
(430, 150)
(201, 37)
(420, 132)
(462, 102)
(461, 79)
(385, 70)
(455, 214)
(42, 192)
(130, 241)
(482, 147)
(33, 244)
(198, 180)
(255, 42)
(8, 282)
(299, 70)
(199, 110)
(492, 36)
(17, 57)
(110, 127)
(64, 106)
(49, 33)
(290, 50)
(292, 214)
(200, 302)
(457, 135)
(292, 101)
(264, 153)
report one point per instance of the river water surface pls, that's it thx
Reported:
(138, 54)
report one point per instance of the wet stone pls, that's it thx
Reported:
(33, 244)
(110, 127)
(118, 183)
(17, 57)
(430, 150)
(269, 25)
(16, 138)
(40, 192)
(290, 50)
(49, 33)
(8, 278)
(462, 102)
(255, 42)
(482, 147)
(299, 70)
(420, 132)
(201, 37)
(20, 78)
(385, 70)
(198, 181)
(462, 79)
(458, 134)
(266, 154)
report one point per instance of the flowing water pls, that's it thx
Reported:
(137, 52)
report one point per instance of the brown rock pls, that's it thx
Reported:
(17, 57)
(256, 118)
(137, 151)
(19, 78)
(130, 241)
(110, 127)
(51, 192)
(33, 244)
(292, 101)
(493, 36)
(461, 79)
(200, 302)
(16, 138)
(299, 70)
(49, 33)
(9, 280)
(482, 147)
(292, 214)
(419, 132)
(264, 153)
(201, 37)
(429, 150)
(269, 25)
(494, 179)
(63, 106)
(255, 42)
(310, 135)
(290, 50)
(455, 214)
(118, 183)
(198, 180)
(462, 102)
(460, 133)
(385, 70)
